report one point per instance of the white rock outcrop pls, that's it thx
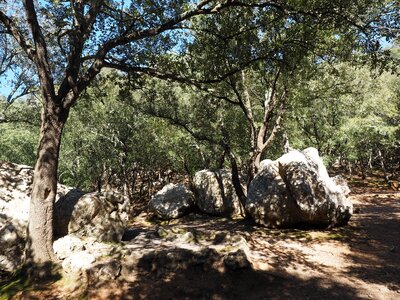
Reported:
(297, 190)
(172, 201)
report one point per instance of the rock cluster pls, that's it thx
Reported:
(214, 194)
(290, 191)
(297, 190)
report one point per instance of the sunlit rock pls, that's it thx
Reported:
(78, 262)
(15, 191)
(297, 190)
(342, 183)
(173, 201)
(63, 247)
(89, 215)
(216, 195)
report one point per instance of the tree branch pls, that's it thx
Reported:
(80, 33)
(16, 33)
(41, 56)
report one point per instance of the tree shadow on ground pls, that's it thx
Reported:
(374, 239)
(183, 274)
(28, 278)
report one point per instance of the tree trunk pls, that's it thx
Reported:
(40, 246)
(237, 185)
(382, 162)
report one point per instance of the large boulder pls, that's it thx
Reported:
(90, 215)
(173, 201)
(297, 190)
(215, 194)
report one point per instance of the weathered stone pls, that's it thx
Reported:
(102, 215)
(15, 191)
(342, 183)
(88, 215)
(12, 244)
(268, 202)
(215, 194)
(105, 270)
(63, 247)
(237, 260)
(173, 201)
(296, 189)
(86, 256)
(78, 262)
(164, 261)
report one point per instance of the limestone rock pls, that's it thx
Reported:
(215, 194)
(236, 249)
(237, 260)
(15, 191)
(88, 215)
(296, 189)
(173, 201)
(78, 262)
(63, 247)
(342, 183)
(12, 244)
(105, 270)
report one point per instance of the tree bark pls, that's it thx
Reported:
(40, 246)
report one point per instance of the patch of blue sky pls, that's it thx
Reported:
(5, 83)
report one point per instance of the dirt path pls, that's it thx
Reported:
(359, 261)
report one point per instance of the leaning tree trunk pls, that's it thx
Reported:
(44, 189)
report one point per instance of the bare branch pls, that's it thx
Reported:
(17, 34)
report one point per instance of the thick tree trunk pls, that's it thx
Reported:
(40, 249)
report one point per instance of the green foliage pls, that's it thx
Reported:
(19, 131)
(349, 113)
(18, 143)
(108, 139)
(117, 128)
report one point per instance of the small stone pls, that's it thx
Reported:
(237, 260)
(187, 237)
